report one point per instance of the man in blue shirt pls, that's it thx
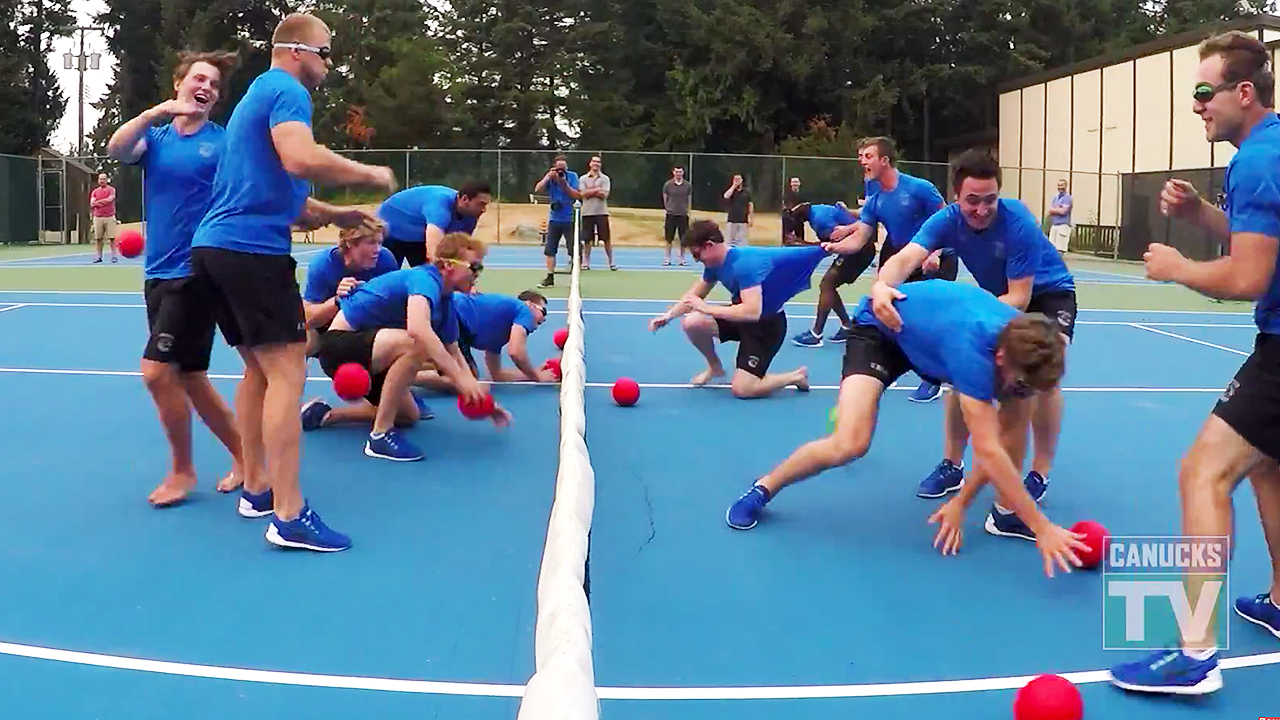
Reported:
(760, 280)
(844, 270)
(393, 326)
(491, 322)
(179, 159)
(1003, 245)
(953, 333)
(562, 185)
(901, 203)
(418, 217)
(240, 257)
(1234, 95)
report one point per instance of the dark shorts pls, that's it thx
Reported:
(1251, 402)
(1059, 306)
(181, 322)
(948, 267)
(868, 351)
(255, 298)
(466, 343)
(339, 347)
(847, 268)
(595, 229)
(415, 251)
(556, 231)
(674, 225)
(758, 342)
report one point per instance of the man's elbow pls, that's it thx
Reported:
(297, 164)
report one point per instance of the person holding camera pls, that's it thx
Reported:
(561, 184)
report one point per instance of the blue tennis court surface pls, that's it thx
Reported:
(835, 606)
(530, 257)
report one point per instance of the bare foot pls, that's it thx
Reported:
(706, 376)
(802, 380)
(232, 481)
(172, 490)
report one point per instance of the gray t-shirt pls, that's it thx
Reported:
(593, 206)
(676, 197)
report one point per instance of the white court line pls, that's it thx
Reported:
(436, 687)
(1148, 328)
(13, 307)
(636, 313)
(652, 386)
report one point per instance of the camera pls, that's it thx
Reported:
(561, 172)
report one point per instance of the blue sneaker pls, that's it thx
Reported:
(927, 392)
(1260, 610)
(946, 478)
(256, 506)
(1008, 525)
(744, 513)
(1169, 671)
(314, 413)
(307, 532)
(424, 411)
(807, 339)
(1036, 484)
(840, 335)
(392, 446)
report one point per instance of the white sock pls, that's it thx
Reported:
(1003, 510)
(1199, 654)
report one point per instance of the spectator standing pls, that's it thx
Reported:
(738, 224)
(791, 198)
(561, 184)
(676, 194)
(102, 205)
(1060, 218)
(595, 213)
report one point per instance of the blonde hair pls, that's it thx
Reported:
(349, 238)
(298, 28)
(225, 61)
(453, 245)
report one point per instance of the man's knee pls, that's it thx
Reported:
(159, 376)
(849, 444)
(697, 322)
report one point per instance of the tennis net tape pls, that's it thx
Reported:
(563, 683)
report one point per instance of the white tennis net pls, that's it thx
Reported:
(563, 684)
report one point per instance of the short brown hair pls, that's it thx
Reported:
(297, 28)
(1244, 59)
(884, 147)
(702, 232)
(1033, 346)
(348, 238)
(453, 245)
(225, 61)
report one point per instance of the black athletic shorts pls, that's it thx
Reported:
(948, 266)
(868, 351)
(595, 229)
(556, 231)
(466, 340)
(339, 347)
(1251, 402)
(415, 251)
(1059, 306)
(674, 225)
(255, 298)
(847, 268)
(758, 342)
(181, 323)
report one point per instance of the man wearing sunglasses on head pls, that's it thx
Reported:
(1003, 246)
(242, 257)
(994, 357)
(394, 326)
(1235, 97)
(490, 322)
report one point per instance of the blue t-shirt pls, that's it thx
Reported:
(489, 318)
(383, 302)
(949, 332)
(1253, 204)
(255, 200)
(903, 209)
(408, 212)
(324, 274)
(825, 218)
(1012, 247)
(561, 201)
(177, 172)
(780, 272)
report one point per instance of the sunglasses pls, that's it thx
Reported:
(1205, 92)
(323, 53)
(475, 267)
